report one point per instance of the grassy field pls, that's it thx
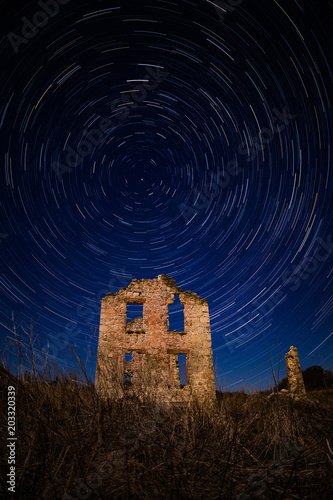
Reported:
(72, 444)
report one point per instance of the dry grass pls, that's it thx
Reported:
(74, 444)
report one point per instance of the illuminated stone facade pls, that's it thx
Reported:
(151, 349)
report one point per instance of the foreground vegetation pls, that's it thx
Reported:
(72, 444)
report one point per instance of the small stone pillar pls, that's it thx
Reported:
(294, 372)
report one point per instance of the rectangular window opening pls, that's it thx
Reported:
(176, 316)
(134, 317)
(128, 357)
(134, 311)
(127, 370)
(182, 367)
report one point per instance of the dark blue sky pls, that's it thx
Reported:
(170, 137)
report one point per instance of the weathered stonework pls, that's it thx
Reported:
(153, 369)
(294, 372)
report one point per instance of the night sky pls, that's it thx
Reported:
(170, 137)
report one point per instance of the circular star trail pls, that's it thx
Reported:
(186, 138)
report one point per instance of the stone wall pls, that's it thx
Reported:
(153, 369)
(294, 372)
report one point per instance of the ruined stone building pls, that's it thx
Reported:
(294, 372)
(142, 355)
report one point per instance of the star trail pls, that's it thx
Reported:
(189, 138)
